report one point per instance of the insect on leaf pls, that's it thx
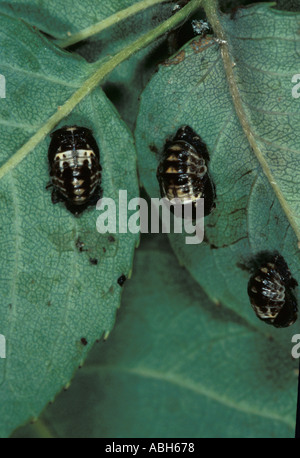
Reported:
(253, 213)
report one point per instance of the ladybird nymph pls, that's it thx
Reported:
(270, 292)
(75, 169)
(183, 170)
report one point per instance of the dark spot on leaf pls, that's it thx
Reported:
(111, 239)
(153, 148)
(94, 261)
(104, 250)
(49, 303)
(83, 341)
(122, 280)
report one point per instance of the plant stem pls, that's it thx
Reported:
(211, 11)
(105, 23)
(93, 81)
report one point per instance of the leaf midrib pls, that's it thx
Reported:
(213, 17)
(98, 72)
(181, 382)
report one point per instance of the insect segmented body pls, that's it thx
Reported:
(183, 171)
(270, 292)
(75, 170)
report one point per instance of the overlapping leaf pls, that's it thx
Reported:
(60, 20)
(191, 88)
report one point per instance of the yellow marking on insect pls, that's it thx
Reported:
(264, 270)
(271, 265)
(171, 170)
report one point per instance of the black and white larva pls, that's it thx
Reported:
(270, 292)
(75, 169)
(183, 170)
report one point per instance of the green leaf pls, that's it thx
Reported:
(192, 88)
(177, 366)
(61, 20)
(52, 296)
(125, 84)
